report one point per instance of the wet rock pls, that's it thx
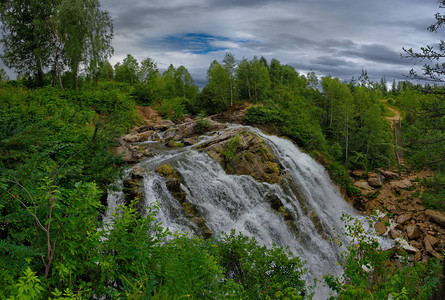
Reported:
(436, 216)
(174, 181)
(380, 228)
(274, 201)
(126, 153)
(137, 173)
(194, 215)
(242, 152)
(413, 232)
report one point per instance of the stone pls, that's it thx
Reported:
(135, 137)
(363, 185)
(126, 153)
(358, 174)
(416, 244)
(137, 173)
(163, 125)
(394, 233)
(436, 216)
(413, 232)
(431, 240)
(165, 170)
(401, 185)
(380, 228)
(418, 256)
(392, 208)
(407, 247)
(375, 182)
(388, 174)
(405, 218)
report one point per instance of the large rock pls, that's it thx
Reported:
(394, 233)
(358, 174)
(380, 228)
(163, 125)
(135, 137)
(413, 232)
(197, 127)
(242, 152)
(405, 218)
(388, 174)
(436, 216)
(364, 186)
(375, 180)
(401, 185)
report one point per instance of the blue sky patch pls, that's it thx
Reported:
(198, 43)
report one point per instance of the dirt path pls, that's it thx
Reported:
(396, 112)
(396, 125)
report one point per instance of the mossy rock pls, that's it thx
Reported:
(174, 144)
(165, 170)
(193, 214)
(173, 182)
(286, 214)
(246, 154)
(133, 190)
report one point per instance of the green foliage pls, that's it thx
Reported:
(229, 151)
(260, 270)
(28, 287)
(173, 109)
(434, 196)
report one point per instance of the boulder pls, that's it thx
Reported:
(405, 218)
(375, 180)
(394, 233)
(401, 185)
(413, 232)
(436, 216)
(242, 152)
(380, 228)
(163, 125)
(137, 137)
(364, 186)
(392, 208)
(388, 174)
(430, 240)
(416, 244)
(404, 244)
(358, 174)
(126, 153)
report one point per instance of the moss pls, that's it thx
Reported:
(165, 170)
(174, 144)
(286, 214)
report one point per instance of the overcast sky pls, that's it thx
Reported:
(329, 37)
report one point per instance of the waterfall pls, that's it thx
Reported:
(241, 203)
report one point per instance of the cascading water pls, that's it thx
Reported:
(241, 203)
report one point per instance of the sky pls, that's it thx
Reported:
(328, 37)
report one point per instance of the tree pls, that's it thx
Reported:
(230, 66)
(219, 85)
(57, 33)
(432, 56)
(86, 33)
(25, 41)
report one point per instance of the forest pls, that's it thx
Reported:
(60, 123)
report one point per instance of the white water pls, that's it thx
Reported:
(229, 202)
